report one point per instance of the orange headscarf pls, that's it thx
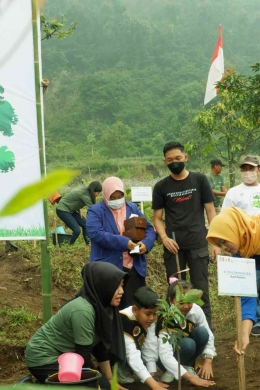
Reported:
(236, 226)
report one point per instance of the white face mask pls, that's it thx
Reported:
(116, 204)
(249, 177)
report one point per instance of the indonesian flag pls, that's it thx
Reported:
(216, 70)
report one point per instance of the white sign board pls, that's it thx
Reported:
(19, 146)
(141, 194)
(236, 276)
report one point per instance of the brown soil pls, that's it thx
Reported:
(20, 286)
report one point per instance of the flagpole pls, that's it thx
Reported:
(45, 244)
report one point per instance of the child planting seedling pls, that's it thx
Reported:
(183, 334)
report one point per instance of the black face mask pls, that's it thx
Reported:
(176, 167)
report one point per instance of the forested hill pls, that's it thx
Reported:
(133, 74)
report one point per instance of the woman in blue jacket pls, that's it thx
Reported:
(105, 226)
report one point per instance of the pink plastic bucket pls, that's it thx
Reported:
(70, 367)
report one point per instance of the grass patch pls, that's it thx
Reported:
(17, 325)
(20, 231)
(17, 317)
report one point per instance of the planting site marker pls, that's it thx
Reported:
(141, 194)
(237, 277)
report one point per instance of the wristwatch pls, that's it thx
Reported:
(207, 356)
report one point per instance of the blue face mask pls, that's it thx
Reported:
(116, 204)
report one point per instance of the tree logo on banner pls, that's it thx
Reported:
(7, 119)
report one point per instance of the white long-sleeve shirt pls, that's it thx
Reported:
(164, 351)
(134, 355)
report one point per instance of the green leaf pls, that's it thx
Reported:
(114, 378)
(165, 339)
(128, 191)
(193, 296)
(32, 193)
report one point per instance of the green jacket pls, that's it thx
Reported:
(75, 200)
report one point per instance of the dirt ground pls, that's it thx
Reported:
(20, 285)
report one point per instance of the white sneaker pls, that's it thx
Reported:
(191, 371)
(167, 377)
(124, 376)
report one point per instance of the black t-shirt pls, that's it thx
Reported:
(183, 202)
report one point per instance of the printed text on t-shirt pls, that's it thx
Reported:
(181, 196)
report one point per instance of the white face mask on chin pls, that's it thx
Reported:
(116, 204)
(249, 177)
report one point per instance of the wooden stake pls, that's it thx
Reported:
(142, 207)
(55, 225)
(177, 259)
(241, 358)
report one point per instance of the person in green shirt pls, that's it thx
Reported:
(70, 205)
(216, 182)
(88, 324)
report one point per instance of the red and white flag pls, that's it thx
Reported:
(216, 70)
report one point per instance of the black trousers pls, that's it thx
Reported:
(43, 372)
(74, 221)
(197, 261)
(134, 282)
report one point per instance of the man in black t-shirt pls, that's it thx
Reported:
(183, 196)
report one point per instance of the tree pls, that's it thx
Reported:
(232, 125)
(54, 27)
(115, 141)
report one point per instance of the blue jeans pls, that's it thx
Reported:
(191, 347)
(74, 221)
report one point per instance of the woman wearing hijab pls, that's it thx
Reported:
(105, 225)
(237, 233)
(88, 324)
(70, 205)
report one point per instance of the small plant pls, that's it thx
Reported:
(123, 173)
(17, 317)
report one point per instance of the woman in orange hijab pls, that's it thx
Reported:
(238, 233)
(235, 231)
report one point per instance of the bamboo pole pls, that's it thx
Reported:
(45, 244)
(241, 360)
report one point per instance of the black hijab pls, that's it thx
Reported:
(100, 281)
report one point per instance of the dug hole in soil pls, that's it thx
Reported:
(21, 287)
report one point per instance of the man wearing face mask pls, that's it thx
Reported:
(105, 224)
(246, 196)
(183, 196)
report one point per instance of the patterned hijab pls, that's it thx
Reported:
(236, 226)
